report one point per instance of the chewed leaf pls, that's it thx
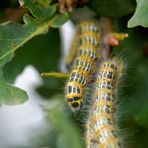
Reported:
(10, 95)
(140, 16)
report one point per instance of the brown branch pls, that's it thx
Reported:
(109, 36)
(106, 28)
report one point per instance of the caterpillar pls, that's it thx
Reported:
(83, 64)
(101, 130)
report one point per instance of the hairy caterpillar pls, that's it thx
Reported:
(83, 55)
(101, 129)
(83, 64)
(86, 35)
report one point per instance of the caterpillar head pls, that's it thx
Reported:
(75, 102)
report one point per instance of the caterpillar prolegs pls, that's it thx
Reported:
(83, 64)
(101, 130)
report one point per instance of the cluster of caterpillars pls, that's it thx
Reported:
(101, 130)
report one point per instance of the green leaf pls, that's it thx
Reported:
(43, 52)
(140, 16)
(45, 2)
(112, 8)
(38, 10)
(10, 95)
(14, 35)
(58, 20)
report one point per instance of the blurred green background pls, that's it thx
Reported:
(43, 52)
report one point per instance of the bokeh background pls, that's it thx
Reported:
(44, 120)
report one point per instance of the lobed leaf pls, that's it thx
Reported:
(38, 10)
(13, 36)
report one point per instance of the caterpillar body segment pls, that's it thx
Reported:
(85, 33)
(87, 135)
(90, 37)
(102, 131)
(83, 65)
(78, 81)
(88, 26)
(77, 78)
(88, 50)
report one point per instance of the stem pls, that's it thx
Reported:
(55, 75)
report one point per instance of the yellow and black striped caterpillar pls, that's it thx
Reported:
(101, 130)
(83, 64)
